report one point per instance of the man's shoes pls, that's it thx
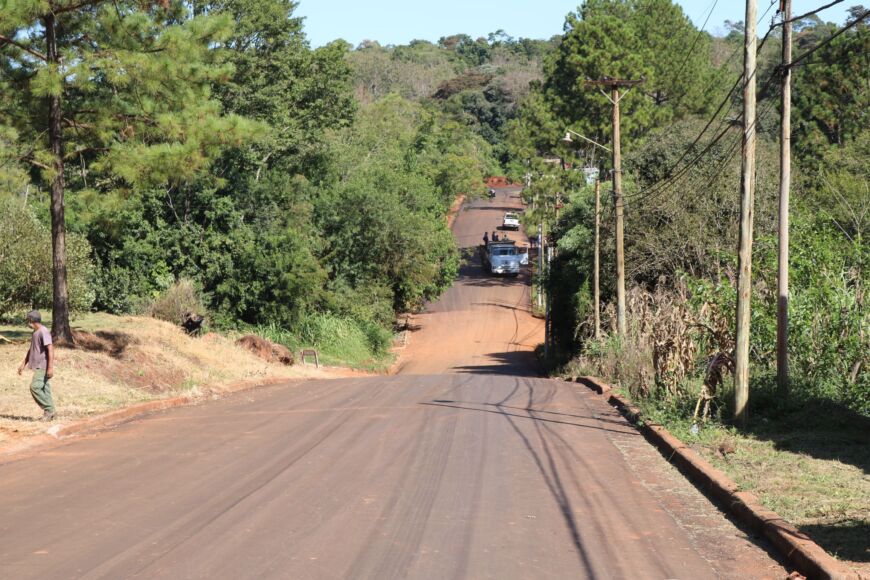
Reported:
(48, 416)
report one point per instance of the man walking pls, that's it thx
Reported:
(40, 358)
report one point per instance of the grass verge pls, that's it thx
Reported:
(339, 341)
(809, 461)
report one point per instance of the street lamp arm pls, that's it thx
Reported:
(569, 132)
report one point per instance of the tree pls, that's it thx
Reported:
(831, 100)
(650, 39)
(126, 87)
(298, 93)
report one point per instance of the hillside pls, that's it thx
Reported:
(124, 360)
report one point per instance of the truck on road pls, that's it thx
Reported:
(501, 257)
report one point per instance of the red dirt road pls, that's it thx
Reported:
(483, 323)
(475, 469)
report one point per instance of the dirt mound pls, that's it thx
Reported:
(266, 350)
(497, 181)
(113, 343)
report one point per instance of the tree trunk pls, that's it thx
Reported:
(60, 328)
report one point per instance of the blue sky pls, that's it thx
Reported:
(399, 21)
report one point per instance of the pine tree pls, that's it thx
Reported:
(630, 39)
(117, 91)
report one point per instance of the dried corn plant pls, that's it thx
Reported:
(721, 360)
(675, 345)
(669, 342)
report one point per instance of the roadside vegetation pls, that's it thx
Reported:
(805, 451)
(124, 360)
(203, 157)
(299, 191)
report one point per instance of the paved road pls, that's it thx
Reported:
(478, 470)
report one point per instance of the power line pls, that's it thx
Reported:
(715, 115)
(810, 13)
(730, 152)
(730, 57)
(673, 173)
(661, 186)
(828, 40)
(698, 36)
(854, 54)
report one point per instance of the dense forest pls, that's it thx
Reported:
(204, 152)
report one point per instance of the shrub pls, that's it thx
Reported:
(26, 262)
(176, 301)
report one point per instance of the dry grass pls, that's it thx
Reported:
(123, 361)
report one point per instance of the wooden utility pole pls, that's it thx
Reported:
(596, 292)
(784, 190)
(541, 264)
(747, 203)
(620, 226)
(614, 85)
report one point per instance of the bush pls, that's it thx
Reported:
(338, 339)
(26, 262)
(176, 301)
(344, 335)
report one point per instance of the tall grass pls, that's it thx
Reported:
(338, 340)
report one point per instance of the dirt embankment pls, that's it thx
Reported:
(123, 361)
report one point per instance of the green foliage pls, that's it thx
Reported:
(26, 264)
(136, 97)
(831, 100)
(383, 221)
(629, 39)
(175, 302)
(277, 79)
(330, 214)
(479, 82)
(338, 340)
(686, 230)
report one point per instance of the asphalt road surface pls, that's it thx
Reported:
(465, 465)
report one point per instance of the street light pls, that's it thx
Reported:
(597, 264)
(567, 139)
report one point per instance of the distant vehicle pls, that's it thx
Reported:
(511, 221)
(501, 257)
(523, 252)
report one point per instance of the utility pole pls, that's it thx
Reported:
(597, 266)
(747, 203)
(548, 330)
(541, 265)
(782, 377)
(614, 85)
(596, 292)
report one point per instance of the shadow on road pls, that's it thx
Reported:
(513, 363)
(504, 305)
(499, 410)
(503, 208)
(848, 540)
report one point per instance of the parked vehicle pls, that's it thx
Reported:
(501, 257)
(511, 221)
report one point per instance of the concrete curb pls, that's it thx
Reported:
(804, 554)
